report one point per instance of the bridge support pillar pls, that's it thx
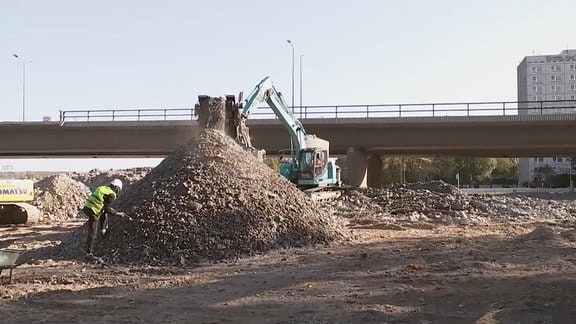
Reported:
(356, 167)
(374, 171)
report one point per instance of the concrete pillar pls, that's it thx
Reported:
(356, 167)
(374, 171)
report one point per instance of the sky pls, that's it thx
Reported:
(127, 54)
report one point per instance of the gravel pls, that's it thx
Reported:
(59, 197)
(210, 200)
(97, 177)
(438, 202)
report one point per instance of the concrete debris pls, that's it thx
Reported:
(438, 202)
(97, 177)
(59, 197)
(210, 200)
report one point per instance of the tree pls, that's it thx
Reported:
(506, 169)
(474, 170)
(415, 168)
(392, 170)
(401, 169)
(543, 173)
(444, 169)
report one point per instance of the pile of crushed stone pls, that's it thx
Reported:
(96, 177)
(59, 197)
(210, 200)
(439, 202)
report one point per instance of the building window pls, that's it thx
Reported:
(538, 159)
(572, 67)
(572, 77)
(536, 78)
(573, 87)
(572, 97)
(536, 68)
(537, 88)
(556, 68)
(555, 78)
(557, 159)
(557, 98)
(537, 98)
(556, 88)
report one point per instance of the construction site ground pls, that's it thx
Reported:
(491, 273)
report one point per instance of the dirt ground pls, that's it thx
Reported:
(500, 273)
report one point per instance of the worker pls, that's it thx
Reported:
(97, 208)
(319, 162)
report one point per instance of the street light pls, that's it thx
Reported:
(571, 184)
(292, 45)
(23, 85)
(301, 56)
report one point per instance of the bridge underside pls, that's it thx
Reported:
(364, 141)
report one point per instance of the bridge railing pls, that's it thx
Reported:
(502, 108)
(128, 114)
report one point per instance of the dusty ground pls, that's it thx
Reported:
(511, 273)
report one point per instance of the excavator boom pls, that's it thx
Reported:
(309, 164)
(266, 92)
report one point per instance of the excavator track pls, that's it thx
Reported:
(323, 193)
(18, 213)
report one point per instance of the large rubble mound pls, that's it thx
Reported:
(97, 177)
(211, 200)
(59, 197)
(438, 202)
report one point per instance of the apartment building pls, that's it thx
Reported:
(546, 85)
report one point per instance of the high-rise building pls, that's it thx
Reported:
(546, 85)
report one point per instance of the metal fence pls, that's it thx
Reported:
(503, 108)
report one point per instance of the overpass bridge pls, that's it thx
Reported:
(363, 133)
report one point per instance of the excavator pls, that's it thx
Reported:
(308, 164)
(14, 198)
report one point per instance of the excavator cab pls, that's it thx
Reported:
(308, 164)
(312, 163)
(305, 168)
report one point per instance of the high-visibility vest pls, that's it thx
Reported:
(96, 200)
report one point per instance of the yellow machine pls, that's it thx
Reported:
(14, 209)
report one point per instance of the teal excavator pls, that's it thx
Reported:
(308, 164)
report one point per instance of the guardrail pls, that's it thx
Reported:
(502, 108)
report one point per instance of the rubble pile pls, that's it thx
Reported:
(59, 197)
(443, 203)
(211, 200)
(97, 177)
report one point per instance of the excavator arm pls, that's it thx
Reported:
(266, 92)
(309, 165)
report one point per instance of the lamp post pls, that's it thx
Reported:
(292, 45)
(571, 184)
(23, 85)
(301, 56)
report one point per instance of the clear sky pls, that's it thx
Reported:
(123, 54)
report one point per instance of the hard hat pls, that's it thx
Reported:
(116, 183)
